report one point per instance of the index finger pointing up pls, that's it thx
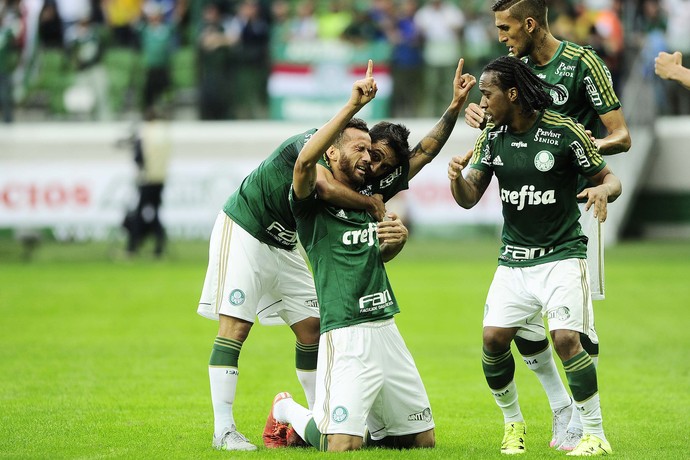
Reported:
(370, 69)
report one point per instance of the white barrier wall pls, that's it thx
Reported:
(72, 178)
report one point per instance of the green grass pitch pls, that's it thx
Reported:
(102, 359)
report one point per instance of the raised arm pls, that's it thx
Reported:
(466, 191)
(304, 175)
(429, 147)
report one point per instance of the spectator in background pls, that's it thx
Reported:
(304, 26)
(440, 24)
(280, 23)
(151, 154)
(50, 26)
(216, 77)
(650, 37)
(9, 54)
(71, 12)
(85, 51)
(335, 20)
(678, 39)
(407, 62)
(252, 59)
(362, 28)
(156, 38)
(120, 15)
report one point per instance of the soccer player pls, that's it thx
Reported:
(586, 95)
(670, 67)
(366, 377)
(255, 269)
(537, 154)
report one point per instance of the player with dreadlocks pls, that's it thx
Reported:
(589, 97)
(537, 154)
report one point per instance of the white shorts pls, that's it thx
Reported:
(557, 291)
(595, 251)
(366, 377)
(247, 278)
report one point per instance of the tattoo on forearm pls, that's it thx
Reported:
(478, 180)
(433, 142)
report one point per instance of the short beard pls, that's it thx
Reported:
(347, 168)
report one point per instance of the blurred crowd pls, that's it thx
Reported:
(233, 46)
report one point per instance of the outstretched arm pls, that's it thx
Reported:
(304, 174)
(428, 148)
(669, 67)
(466, 191)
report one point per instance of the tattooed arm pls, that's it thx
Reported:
(467, 191)
(427, 149)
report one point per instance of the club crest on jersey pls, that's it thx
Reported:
(558, 97)
(544, 161)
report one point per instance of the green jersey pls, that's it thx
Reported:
(343, 249)
(387, 186)
(587, 83)
(260, 205)
(537, 177)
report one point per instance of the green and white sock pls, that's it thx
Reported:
(223, 374)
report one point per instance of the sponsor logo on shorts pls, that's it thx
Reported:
(560, 313)
(232, 372)
(311, 303)
(339, 414)
(544, 161)
(237, 297)
(423, 416)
